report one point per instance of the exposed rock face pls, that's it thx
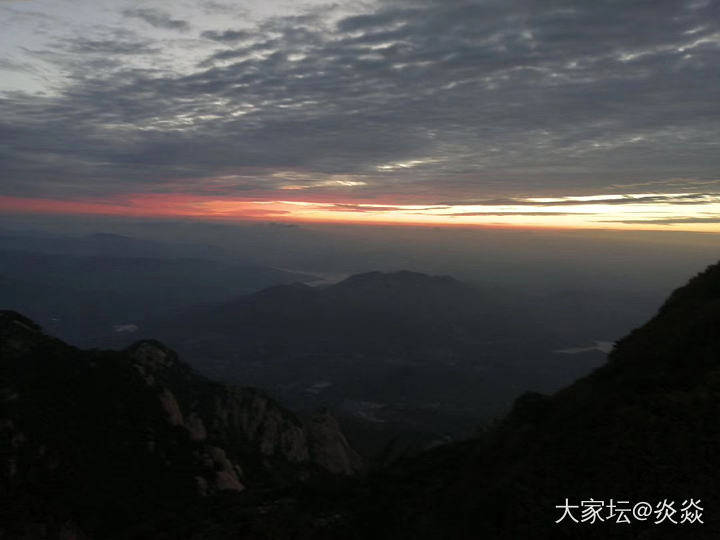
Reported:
(329, 447)
(251, 413)
(195, 426)
(223, 473)
(94, 424)
(232, 415)
(152, 355)
(171, 408)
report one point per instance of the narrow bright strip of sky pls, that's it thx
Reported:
(686, 212)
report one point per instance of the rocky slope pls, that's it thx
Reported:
(94, 439)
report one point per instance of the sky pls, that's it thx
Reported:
(493, 113)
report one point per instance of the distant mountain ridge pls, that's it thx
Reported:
(374, 305)
(81, 297)
(360, 306)
(395, 342)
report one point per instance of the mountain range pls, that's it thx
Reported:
(89, 289)
(134, 444)
(401, 349)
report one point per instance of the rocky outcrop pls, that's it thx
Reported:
(234, 416)
(122, 431)
(171, 408)
(220, 474)
(275, 431)
(329, 447)
(195, 427)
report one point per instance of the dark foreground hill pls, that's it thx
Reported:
(100, 444)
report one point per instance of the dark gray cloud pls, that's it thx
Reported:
(110, 46)
(157, 19)
(9, 65)
(493, 100)
(223, 8)
(228, 36)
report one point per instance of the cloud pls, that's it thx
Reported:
(9, 65)
(466, 214)
(491, 102)
(346, 207)
(228, 36)
(110, 46)
(614, 200)
(667, 221)
(669, 183)
(157, 19)
(223, 8)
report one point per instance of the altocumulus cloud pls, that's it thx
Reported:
(416, 101)
(158, 19)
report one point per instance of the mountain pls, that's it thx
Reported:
(95, 443)
(402, 349)
(90, 299)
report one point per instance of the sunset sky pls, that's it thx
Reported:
(508, 113)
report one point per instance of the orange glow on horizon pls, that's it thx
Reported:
(586, 212)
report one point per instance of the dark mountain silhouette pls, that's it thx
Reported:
(95, 441)
(82, 298)
(374, 312)
(425, 352)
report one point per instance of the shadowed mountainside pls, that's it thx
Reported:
(96, 441)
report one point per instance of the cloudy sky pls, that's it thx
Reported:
(602, 114)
